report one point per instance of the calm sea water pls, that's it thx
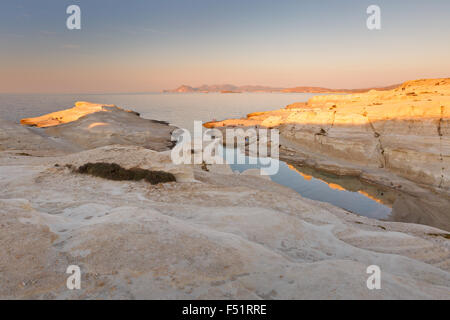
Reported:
(183, 109)
(177, 109)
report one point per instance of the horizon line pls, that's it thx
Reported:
(196, 86)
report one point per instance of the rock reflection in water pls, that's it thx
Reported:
(347, 193)
(428, 208)
(352, 194)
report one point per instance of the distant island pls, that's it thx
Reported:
(229, 88)
(223, 88)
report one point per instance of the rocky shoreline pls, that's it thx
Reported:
(212, 234)
(397, 139)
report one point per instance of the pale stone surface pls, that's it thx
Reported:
(89, 125)
(80, 109)
(14, 137)
(213, 234)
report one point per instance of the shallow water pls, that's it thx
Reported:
(345, 192)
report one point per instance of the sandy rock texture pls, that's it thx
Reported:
(89, 125)
(210, 235)
(404, 131)
(18, 139)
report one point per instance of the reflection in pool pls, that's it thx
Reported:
(348, 193)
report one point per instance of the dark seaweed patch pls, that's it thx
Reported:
(444, 235)
(113, 171)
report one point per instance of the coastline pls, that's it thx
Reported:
(211, 234)
(395, 139)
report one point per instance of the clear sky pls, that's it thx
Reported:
(149, 45)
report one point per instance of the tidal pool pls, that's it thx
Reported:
(348, 193)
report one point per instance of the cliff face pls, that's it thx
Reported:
(404, 130)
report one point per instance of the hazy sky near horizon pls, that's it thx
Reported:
(146, 45)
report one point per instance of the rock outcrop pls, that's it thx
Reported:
(81, 109)
(405, 131)
(90, 125)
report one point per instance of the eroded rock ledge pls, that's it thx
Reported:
(90, 125)
(404, 131)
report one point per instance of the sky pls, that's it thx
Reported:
(148, 45)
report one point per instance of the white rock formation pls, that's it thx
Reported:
(405, 131)
(397, 139)
(210, 235)
(213, 234)
(89, 125)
